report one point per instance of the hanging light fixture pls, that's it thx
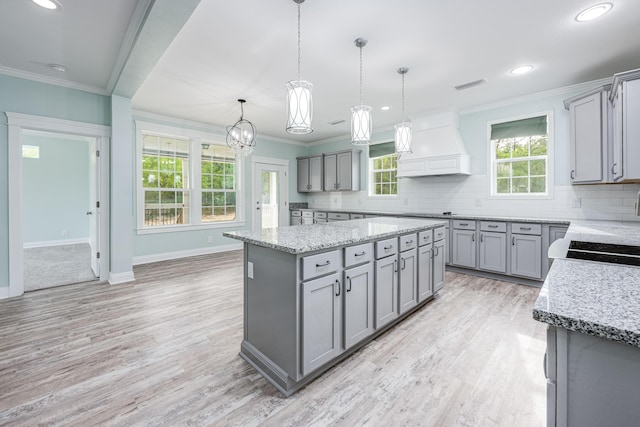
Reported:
(299, 99)
(241, 137)
(403, 130)
(361, 124)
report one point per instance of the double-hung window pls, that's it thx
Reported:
(186, 180)
(520, 157)
(383, 170)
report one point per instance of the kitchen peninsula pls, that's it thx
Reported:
(314, 294)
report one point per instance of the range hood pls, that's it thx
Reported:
(437, 148)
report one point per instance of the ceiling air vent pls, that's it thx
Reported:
(471, 84)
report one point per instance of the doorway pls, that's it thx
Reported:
(270, 201)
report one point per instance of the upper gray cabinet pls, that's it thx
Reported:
(310, 174)
(589, 118)
(625, 102)
(342, 171)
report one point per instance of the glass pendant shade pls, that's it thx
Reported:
(403, 137)
(361, 125)
(299, 107)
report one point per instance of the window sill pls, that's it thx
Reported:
(383, 196)
(179, 228)
(520, 197)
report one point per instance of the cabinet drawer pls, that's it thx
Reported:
(337, 216)
(519, 228)
(500, 227)
(319, 221)
(358, 254)
(425, 237)
(318, 265)
(307, 214)
(356, 216)
(408, 241)
(439, 234)
(320, 215)
(296, 213)
(464, 224)
(386, 247)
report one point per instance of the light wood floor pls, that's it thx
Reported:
(164, 351)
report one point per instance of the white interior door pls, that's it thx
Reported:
(270, 195)
(93, 210)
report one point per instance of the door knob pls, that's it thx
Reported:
(89, 213)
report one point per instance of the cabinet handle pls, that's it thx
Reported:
(544, 365)
(323, 265)
(492, 226)
(430, 253)
(395, 265)
(473, 237)
(481, 237)
(525, 228)
(573, 174)
(349, 288)
(408, 242)
(360, 254)
(513, 240)
(613, 169)
(338, 283)
(386, 248)
(437, 250)
(464, 224)
(404, 263)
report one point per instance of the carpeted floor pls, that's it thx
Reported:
(51, 266)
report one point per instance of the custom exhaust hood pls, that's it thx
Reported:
(437, 148)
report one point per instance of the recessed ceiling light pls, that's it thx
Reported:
(59, 68)
(385, 108)
(48, 4)
(523, 69)
(594, 12)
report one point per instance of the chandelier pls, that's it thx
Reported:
(241, 136)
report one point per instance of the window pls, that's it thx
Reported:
(187, 180)
(520, 157)
(383, 166)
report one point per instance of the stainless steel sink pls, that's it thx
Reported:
(604, 252)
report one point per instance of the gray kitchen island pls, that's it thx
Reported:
(314, 294)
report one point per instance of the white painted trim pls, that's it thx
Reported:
(270, 160)
(49, 243)
(191, 227)
(284, 191)
(16, 123)
(166, 256)
(4, 292)
(52, 81)
(117, 278)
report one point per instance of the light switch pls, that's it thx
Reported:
(250, 270)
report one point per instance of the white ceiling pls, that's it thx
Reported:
(247, 49)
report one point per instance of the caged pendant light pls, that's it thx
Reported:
(403, 130)
(241, 137)
(361, 124)
(299, 99)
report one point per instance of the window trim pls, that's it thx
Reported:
(196, 139)
(370, 183)
(550, 159)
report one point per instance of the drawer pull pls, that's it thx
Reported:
(525, 228)
(360, 254)
(386, 248)
(408, 242)
(492, 226)
(323, 265)
(464, 224)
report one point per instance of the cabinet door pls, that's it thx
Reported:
(439, 249)
(617, 171)
(321, 321)
(526, 256)
(425, 272)
(358, 304)
(315, 173)
(493, 252)
(330, 166)
(303, 175)
(447, 246)
(344, 171)
(586, 139)
(386, 290)
(556, 233)
(408, 289)
(464, 248)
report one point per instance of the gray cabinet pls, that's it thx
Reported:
(358, 304)
(310, 174)
(438, 265)
(321, 321)
(625, 101)
(342, 171)
(408, 286)
(526, 255)
(425, 272)
(386, 290)
(464, 248)
(589, 119)
(493, 251)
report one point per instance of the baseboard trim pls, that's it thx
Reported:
(117, 278)
(166, 256)
(46, 243)
(4, 292)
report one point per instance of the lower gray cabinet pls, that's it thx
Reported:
(493, 252)
(408, 295)
(526, 256)
(438, 265)
(358, 304)
(321, 321)
(425, 272)
(386, 290)
(464, 248)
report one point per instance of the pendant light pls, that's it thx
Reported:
(361, 124)
(299, 99)
(241, 137)
(403, 130)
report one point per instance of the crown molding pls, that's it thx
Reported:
(52, 81)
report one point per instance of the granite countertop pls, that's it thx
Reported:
(591, 297)
(443, 216)
(298, 239)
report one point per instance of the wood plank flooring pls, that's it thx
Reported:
(164, 351)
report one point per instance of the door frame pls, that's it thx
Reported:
(255, 191)
(16, 123)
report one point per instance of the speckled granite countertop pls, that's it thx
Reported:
(298, 239)
(594, 298)
(442, 216)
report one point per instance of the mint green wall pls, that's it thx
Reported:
(28, 97)
(55, 190)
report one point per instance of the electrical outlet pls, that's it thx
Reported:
(250, 270)
(65, 233)
(576, 202)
